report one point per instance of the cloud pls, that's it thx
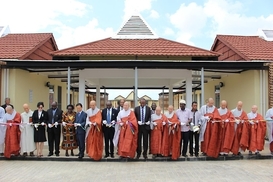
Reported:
(32, 15)
(71, 36)
(168, 31)
(215, 17)
(154, 14)
(188, 21)
(137, 6)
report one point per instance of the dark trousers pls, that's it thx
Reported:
(108, 138)
(81, 143)
(54, 137)
(142, 132)
(194, 135)
(185, 138)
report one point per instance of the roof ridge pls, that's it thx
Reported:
(58, 51)
(192, 46)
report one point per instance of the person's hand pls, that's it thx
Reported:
(36, 125)
(251, 122)
(237, 121)
(104, 122)
(64, 123)
(42, 123)
(89, 123)
(50, 125)
(226, 120)
(10, 124)
(75, 124)
(113, 122)
(155, 123)
(163, 123)
(78, 124)
(126, 122)
(207, 117)
(182, 124)
(56, 123)
(121, 123)
(139, 123)
(148, 123)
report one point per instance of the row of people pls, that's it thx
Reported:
(221, 131)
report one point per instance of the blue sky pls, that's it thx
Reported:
(75, 22)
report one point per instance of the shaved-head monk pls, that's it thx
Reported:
(94, 135)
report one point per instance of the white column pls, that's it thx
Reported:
(136, 87)
(82, 90)
(98, 96)
(171, 95)
(189, 90)
(68, 86)
(202, 87)
(163, 100)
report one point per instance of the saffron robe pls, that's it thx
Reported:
(226, 130)
(174, 137)
(257, 132)
(12, 139)
(94, 139)
(210, 131)
(239, 139)
(157, 133)
(128, 134)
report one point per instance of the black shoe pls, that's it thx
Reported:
(249, 153)
(112, 156)
(185, 155)
(1, 154)
(137, 157)
(145, 156)
(257, 154)
(80, 157)
(197, 155)
(72, 153)
(239, 154)
(50, 154)
(57, 155)
(191, 155)
(66, 154)
(106, 156)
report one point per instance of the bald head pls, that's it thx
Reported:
(108, 104)
(210, 102)
(126, 106)
(239, 105)
(92, 104)
(254, 109)
(26, 108)
(158, 110)
(223, 104)
(170, 109)
(9, 109)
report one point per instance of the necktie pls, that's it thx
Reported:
(79, 114)
(53, 114)
(108, 117)
(142, 114)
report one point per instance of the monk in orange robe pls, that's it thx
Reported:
(209, 129)
(257, 131)
(94, 135)
(226, 130)
(240, 118)
(128, 132)
(158, 121)
(12, 139)
(171, 135)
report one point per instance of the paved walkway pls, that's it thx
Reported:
(227, 171)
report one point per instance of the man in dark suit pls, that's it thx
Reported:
(143, 115)
(80, 131)
(54, 128)
(7, 103)
(109, 116)
(120, 105)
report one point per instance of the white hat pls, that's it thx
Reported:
(182, 102)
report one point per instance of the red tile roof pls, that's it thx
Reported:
(18, 46)
(248, 47)
(133, 47)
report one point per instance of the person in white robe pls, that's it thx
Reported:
(269, 126)
(27, 133)
(2, 131)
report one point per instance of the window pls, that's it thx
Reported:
(59, 97)
(217, 96)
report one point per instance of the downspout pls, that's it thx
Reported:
(264, 92)
(261, 92)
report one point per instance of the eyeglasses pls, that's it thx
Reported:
(41, 107)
